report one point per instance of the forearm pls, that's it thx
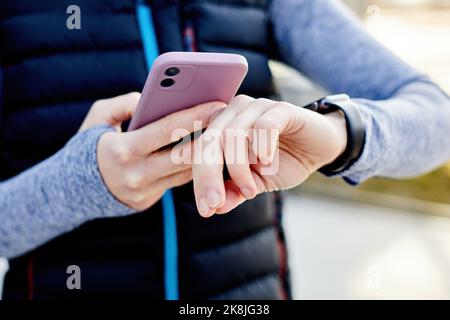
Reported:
(407, 118)
(406, 135)
(326, 43)
(55, 196)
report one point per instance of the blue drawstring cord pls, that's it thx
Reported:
(151, 51)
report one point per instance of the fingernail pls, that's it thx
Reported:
(203, 207)
(213, 198)
(247, 193)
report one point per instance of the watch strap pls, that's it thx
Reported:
(355, 130)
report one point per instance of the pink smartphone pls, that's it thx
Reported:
(180, 80)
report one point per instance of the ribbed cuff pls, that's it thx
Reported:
(375, 145)
(87, 193)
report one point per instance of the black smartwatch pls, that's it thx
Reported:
(356, 132)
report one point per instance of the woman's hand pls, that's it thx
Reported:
(132, 166)
(286, 144)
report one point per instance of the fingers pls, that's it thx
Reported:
(238, 164)
(122, 107)
(163, 162)
(231, 144)
(236, 146)
(236, 105)
(267, 129)
(231, 125)
(262, 119)
(207, 172)
(207, 169)
(172, 127)
(175, 180)
(151, 193)
(111, 111)
(233, 198)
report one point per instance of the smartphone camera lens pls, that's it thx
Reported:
(173, 71)
(167, 83)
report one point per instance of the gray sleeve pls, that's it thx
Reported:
(407, 117)
(55, 196)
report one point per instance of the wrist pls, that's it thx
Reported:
(355, 129)
(337, 120)
(87, 193)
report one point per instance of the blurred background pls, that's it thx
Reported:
(384, 239)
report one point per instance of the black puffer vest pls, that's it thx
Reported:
(49, 78)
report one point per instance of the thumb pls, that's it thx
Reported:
(159, 134)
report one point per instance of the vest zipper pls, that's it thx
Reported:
(150, 45)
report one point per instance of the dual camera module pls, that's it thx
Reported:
(170, 72)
